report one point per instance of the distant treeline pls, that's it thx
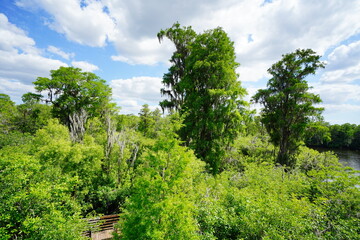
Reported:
(334, 136)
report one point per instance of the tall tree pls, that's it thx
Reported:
(182, 37)
(75, 96)
(203, 75)
(288, 104)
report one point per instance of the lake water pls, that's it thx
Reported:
(347, 157)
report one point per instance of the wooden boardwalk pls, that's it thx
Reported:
(101, 228)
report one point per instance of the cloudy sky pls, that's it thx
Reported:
(116, 39)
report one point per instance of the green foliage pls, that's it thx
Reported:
(262, 203)
(7, 114)
(14, 138)
(341, 135)
(161, 205)
(36, 202)
(265, 202)
(288, 104)
(54, 174)
(53, 147)
(322, 134)
(205, 90)
(70, 90)
(75, 96)
(309, 159)
(148, 121)
(174, 89)
(250, 149)
(32, 115)
(355, 143)
(317, 134)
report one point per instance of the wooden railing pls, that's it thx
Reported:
(101, 227)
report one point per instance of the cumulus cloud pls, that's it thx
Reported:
(333, 111)
(134, 92)
(340, 100)
(20, 60)
(345, 55)
(343, 64)
(85, 22)
(14, 39)
(60, 53)
(26, 67)
(14, 88)
(85, 66)
(262, 32)
(147, 51)
(340, 93)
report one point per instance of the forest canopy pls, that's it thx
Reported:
(209, 169)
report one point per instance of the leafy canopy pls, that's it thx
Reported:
(204, 89)
(288, 104)
(71, 91)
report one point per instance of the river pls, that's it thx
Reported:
(347, 157)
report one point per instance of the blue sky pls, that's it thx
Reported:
(116, 39)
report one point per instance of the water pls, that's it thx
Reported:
(349, 158)
(346, 157)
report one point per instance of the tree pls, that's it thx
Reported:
(341, 135)
(317, 134)
(75, 96)
(32, 114)
(161, 205)
(174, 89)
(204, 79)
(148, 121)
(355, 143)
(288, 104)
(37, 201)
(7, 114)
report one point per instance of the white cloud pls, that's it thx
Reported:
(20, 61)
(14, 39)
(336, 108)
(274, 28)
(60, 53)
(122, 59)
(15, 89)
(85, 66)
(338, 93)
(261, 32)
(26, 67)
(132, 93)
(84, 22)
(343, 64)
(344, 56)
(334, 113)
(346, 75)
(281, 27)
(147, 51)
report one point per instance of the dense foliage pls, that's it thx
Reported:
(203, 86)
(322, 134)
(288, 104)
(139, 167)
(75, 97)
